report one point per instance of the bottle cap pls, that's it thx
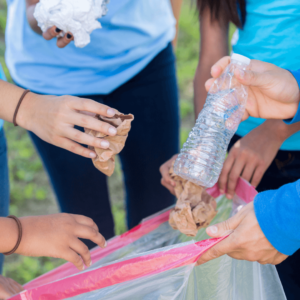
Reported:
(243, 59)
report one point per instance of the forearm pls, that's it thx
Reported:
(8, 234)
(214, 45)
(176, 6)
(280, 129)
(30, 7)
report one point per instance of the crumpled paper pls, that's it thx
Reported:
(105, 160)
(76, 16)
(194, 209)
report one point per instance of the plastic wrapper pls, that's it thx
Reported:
(105, 159)
(80, 17)
(153, 261)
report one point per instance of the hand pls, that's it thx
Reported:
(249, 158)
(166, 180)
(9, 287)
(246, 242)
(63, 39)
(53, 119)
(273, 91)
(58, 236)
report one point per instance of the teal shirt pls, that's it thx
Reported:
(272, 34)
(2, 77)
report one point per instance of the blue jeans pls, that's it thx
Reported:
(4, 183)
(152, 97)
(284, 169)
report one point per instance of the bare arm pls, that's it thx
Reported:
(176, 6)
(30, 6)
(214, 45)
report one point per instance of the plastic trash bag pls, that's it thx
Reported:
(153, 261)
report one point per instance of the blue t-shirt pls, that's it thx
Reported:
(133, 33)
(272, 34)
(2, 77)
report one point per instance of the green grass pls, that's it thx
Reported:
(31, 193)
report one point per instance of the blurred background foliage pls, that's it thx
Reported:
(30, 189)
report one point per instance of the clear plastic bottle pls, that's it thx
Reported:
(202, 156)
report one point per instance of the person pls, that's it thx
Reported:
(266, 230)
(264, 152)
(129, 65)
(51, 118)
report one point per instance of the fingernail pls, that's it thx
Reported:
(228, 196)
(105, 245)
(213, 229)
(104, 144)
(92, 155)
(111, 112)
(112, 130)
(90, 263)
(222, 192)
(58, 30)
(82, 268)
(69, 36)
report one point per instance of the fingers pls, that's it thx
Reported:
(224, 228)
(93, 107)
(80, 248)
(65, 40)
(51, 33)
(85, 139)
(85, 221)
(249, 77)
(74, 147)
(248, 171)
(257, 176)
(168, 186)
(223, 179)
(216, 251)
(89, 233)
(89, 122)
(16, 287)
(71, 256)
(219, 67)
(234, 174)
(166, 180)
(209, 83)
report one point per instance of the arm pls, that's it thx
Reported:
(176, 7)
(214, 45)
(53, 235)
(30, 6)
(252, 155)
(278, 214)
(53, 118)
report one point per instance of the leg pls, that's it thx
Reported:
(79, 187)
(4, 184)
(152, 97)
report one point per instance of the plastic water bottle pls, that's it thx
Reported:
(202, 157)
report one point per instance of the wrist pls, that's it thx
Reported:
(25, 116)
(9, 236)
(278, 129)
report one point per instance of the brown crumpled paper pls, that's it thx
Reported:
(105, 160)
(194, 209)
